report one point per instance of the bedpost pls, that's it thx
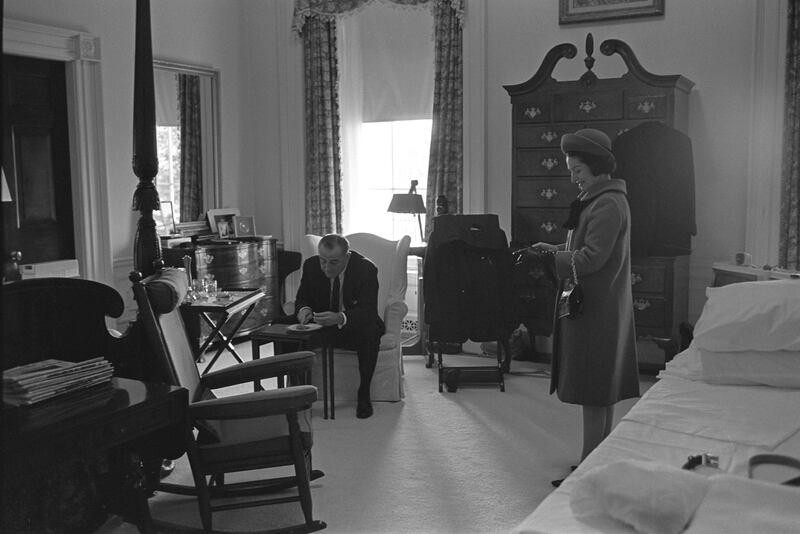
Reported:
(146, 244)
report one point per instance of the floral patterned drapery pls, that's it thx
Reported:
(445, 165)
(191, 155)
(789, 243)
(323, 144)
(330, 9)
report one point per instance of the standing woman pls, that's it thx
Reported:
(594, 354)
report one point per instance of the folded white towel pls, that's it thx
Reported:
(737, 504)
(652, 498)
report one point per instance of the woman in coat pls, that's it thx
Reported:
(594, 355)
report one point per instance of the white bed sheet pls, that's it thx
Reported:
(641, 436)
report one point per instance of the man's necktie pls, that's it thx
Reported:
(335, 295)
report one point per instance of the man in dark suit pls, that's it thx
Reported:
(339, 288)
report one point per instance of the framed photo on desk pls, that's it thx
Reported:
(224, 216)
(244, 226)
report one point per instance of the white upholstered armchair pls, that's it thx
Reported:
(390, 258)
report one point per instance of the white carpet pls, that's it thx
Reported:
(477, 460)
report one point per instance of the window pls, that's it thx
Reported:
(168, 179)
(390, 154)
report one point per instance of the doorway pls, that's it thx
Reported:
(38, 221)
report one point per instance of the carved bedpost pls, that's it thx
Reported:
(146, 244)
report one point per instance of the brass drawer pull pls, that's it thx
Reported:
(635, 278)
(646, 106)
(549, 136)
(549, 226)
(549, 163)
(587, 106)
(641, 304)
(532, 112)
(548, 193)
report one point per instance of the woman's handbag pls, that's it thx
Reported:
(570, 303)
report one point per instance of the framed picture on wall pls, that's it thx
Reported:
(575, 11)
(224, 215)
(244, 226)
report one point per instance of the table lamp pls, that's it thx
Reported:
(410, 202)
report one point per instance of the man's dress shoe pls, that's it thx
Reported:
(364, 409)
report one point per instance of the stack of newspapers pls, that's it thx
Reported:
(39, 381)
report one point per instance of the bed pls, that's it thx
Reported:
(732, 395)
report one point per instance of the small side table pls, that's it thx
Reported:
(304, 340)
(223, 310)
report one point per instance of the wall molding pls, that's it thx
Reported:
(762, 227)
(81, 53)
(474, 113)
(292, 139)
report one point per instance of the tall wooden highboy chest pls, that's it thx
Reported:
(543, 110)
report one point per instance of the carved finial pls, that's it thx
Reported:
(589, 61)
(589, 77)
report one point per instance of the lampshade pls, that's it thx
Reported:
(406, 203)
(6, 192)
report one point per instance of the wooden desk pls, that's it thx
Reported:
(61, 470)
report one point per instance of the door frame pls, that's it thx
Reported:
(80, 53)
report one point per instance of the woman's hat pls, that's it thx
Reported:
(587, 140)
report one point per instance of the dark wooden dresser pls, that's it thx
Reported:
(543, 110)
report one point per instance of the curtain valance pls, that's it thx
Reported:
(330, 9)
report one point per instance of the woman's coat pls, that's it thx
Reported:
(594, 356)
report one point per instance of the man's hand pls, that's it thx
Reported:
(327, 318)
(304, 315)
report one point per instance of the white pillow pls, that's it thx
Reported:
(779, 368)
(751, 316)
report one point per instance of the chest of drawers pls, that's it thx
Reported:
(543, 110)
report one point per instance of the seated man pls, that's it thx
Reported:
(339, 287)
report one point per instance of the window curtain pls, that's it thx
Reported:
(315, 21)
(445, 166)
(789, 247)
(191, 156)
(323, 144)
